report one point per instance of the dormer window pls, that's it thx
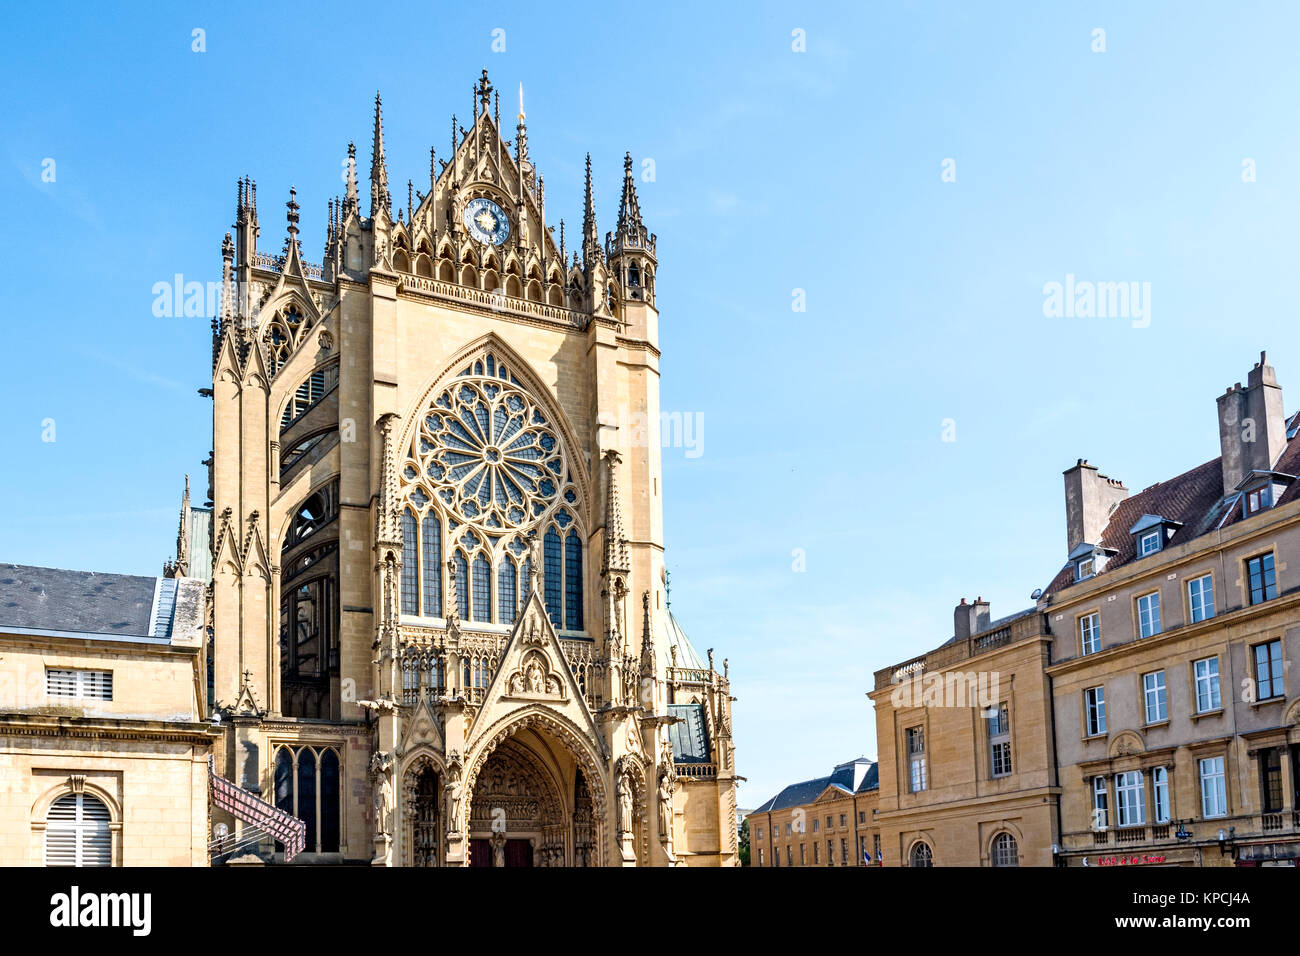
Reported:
(1151, 533)
(1089, 560)
(1260, 490)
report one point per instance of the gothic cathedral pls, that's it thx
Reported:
(440, 630)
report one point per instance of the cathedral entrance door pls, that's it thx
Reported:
(519, 853)
(480, 853)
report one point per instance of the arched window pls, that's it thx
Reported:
(551, 557)
(573, 581)
(506, 600)
(482, 588)
(410, 599)
(490, 462)
(431, 562)
(921, 855)
(462, 586)
(307, 795)
(77, 832)
(1005, 850)
(314, 785)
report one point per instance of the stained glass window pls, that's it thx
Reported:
(573, 581)
(482, 589)
(506, 601)
(554, 582)
(431, 563)
(462, 586)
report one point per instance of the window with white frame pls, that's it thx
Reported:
(77, 832)
(1148, 606)
(1085, 568)
(1214, 795)
(1090, 633)
(1130, 798)
(1200, 597)
(1094, 700)
(79, 684)
(1100, 810)
(1155, 697)
(1149, 543)
(1160, 793)
(916, 757)
(1207, 685)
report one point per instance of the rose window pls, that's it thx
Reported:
(489, 453)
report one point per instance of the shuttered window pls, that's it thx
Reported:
(79, 684)
(77, 833)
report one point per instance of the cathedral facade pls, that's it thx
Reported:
(440, 630)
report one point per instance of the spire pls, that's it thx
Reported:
(378, 166)
(647, 638)
(291, 215)
(590, 235)
(350, 197)
(484, 93)
(180, 568)
(615, 558)
(629, 210)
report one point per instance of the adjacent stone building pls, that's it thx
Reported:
(104, 745)
(964, 737)
(827, 821)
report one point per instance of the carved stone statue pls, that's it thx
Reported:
(666, 782)
(499, 849)
(383, 805)
(535, 678)
(517, 684)
(454, 791)
(624, 805)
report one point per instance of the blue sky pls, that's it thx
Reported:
(775, 170)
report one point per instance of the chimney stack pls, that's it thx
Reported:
(1252, 425)
(1090, 497)
(968, 619)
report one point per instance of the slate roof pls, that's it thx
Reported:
(806, 791)
(53, 599)
(674, 636)
(1196, 498)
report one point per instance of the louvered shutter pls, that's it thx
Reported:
(77, 832)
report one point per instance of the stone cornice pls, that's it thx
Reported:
(46, 725)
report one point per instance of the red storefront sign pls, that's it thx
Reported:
(1136, 860)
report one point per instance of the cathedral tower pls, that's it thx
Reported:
(441, 633)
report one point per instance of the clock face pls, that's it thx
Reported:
(486, 221)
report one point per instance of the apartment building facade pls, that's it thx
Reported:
(1174, 622)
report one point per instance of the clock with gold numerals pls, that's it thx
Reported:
(486, 221)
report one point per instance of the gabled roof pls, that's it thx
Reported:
(806, 791)
(1196, 499)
